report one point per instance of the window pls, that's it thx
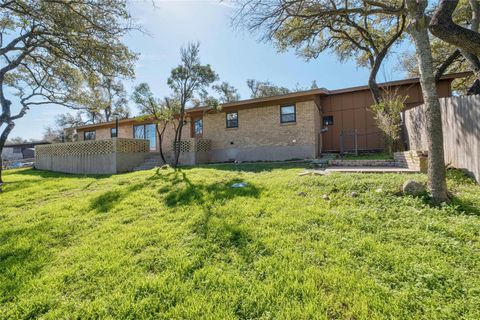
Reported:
(113, 133)
(288, 114)
(17, 149)
(328, 120)
(146, 132)
(89, 135)
(198, 125)
(232, 119)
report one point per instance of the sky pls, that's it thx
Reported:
(234, 54)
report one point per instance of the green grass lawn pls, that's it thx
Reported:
(185, 245)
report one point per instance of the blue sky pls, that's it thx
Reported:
(235, 55)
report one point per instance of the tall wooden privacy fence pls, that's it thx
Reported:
(461, 132)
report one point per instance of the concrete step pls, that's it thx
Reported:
(154, 161)
(143, 167)
(151, 161)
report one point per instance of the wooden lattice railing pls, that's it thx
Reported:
(194, 145)
(119, 145)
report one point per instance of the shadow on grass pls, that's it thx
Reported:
(35, 175)
(457, 177)
(50, 174)
(108, 200)
(465, 207)
(179, 190)
(255, 166)
(220, 235)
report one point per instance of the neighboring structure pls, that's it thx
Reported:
(20, 151)
(298, 125)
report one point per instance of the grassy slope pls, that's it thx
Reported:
(185, 245)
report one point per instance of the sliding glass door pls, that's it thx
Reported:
(147, 132)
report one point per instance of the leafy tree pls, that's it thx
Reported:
(48, 47)
(161, 112)
(350, 29)
(107, 98)
(63, 130)
(313, 27)
(443, 26)
(388, 117)
(259, 89)
(54, 135)
(17, 140)
(447, 27)
(448, 58)
(69, 120)
(227, 92)
(187, 80)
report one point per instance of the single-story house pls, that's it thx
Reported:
(299, 125)
(20, 151)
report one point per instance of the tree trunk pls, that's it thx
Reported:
(178, 137)
(443, 27)
(472, 59)
(436, 163)
(3, 139)
(160, 148)
(447, 63)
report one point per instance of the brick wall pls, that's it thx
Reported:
(260, 128)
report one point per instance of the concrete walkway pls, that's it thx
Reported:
(358, 170)
(371, 169)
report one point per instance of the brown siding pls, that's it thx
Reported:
(351, 111)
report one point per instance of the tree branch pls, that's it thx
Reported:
(442, 26)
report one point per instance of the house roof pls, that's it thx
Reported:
(291, 96)
(25, 144)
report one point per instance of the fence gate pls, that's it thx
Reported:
(349, 141)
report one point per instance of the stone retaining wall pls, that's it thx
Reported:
(362, 163)
(414, 160)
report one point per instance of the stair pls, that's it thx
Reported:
(323, 161)
(153, 160)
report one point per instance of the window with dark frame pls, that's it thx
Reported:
(113, 133)
(288, 114)
(198, 126)
(89, 135)
(232, 119)
(328, 120)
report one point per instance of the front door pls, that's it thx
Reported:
(147, 132)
